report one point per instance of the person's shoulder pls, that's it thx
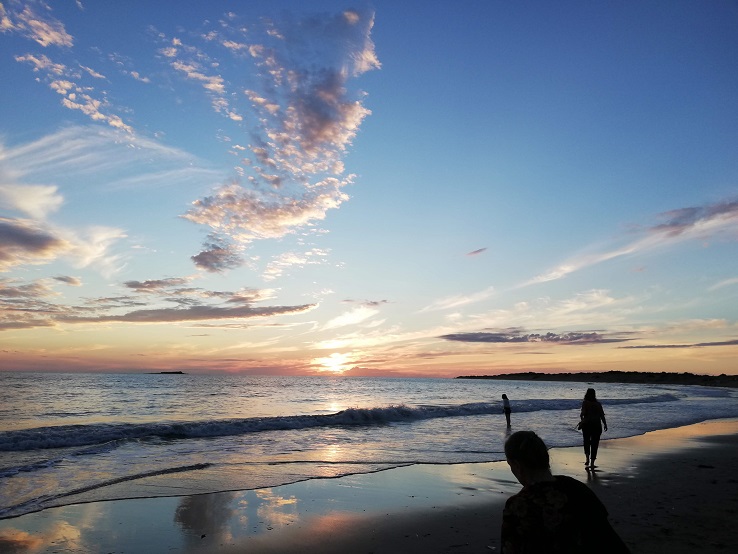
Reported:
(570, 482)
(573, 487)
(579, 493)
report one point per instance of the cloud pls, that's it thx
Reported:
(37, 289)
(248, 215)
(218, 256)
(733, 342)
(697, 221)
(155, 285)
(369, 303)
(682, 224)
(192, 313)
(277, 266)
(309, 116)
(196, 65)
(71, 281)
(41, 28)
(476, 252)
(212, 83)
(97, 156)
(75, 96)
(26, 305)
(517, 336)
(91, 248)
(459, 300)
(101, 155)
(353, 317)
(36, 201)
(23, 242)
(724, 283)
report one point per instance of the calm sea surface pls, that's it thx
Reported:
(69, 438)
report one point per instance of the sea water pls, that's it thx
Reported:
(70, 438)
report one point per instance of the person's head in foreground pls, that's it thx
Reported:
(590, 395)
(551, 514)
(527, 457)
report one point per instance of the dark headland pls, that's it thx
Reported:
(641, 377)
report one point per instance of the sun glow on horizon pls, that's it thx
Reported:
(336, 363)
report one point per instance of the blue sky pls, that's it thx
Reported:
(394, 188)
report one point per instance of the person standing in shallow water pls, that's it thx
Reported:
(552, 514)
(592, 419)
(506, 408)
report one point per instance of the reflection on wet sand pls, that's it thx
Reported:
(61, 536)
(206, 515)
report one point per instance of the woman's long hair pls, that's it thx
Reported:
(590, 395)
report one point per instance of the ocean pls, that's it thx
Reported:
(72, 438)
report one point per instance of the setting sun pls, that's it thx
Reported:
(335, 363)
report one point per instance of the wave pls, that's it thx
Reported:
(114, 434)
(37, 503)
(51, 462)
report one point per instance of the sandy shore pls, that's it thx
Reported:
(669, 491)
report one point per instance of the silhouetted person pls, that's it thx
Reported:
(552, 514)
(592, 418)
(506, 408)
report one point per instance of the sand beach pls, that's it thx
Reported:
(673, 490)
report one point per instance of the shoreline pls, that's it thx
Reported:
(651, 485)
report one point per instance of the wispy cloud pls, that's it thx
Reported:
(37, 201)
(459, 300)
(732, 342)
(98, 156)
(354, 317)
(279, 264)
(91, 247)
(724, 283)
(679, 225)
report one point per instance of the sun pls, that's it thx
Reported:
(336, 363)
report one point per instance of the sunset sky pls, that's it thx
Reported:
(417, 188)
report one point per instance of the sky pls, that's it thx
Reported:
(419, 188)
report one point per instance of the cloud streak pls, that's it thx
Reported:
(733, 342)
(459, 300)
(679, 225)
(517, 336)
(27, 305)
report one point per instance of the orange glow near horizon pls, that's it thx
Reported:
(336, 363)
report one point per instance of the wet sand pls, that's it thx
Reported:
(667, 491)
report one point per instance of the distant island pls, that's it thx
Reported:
(641, 377)
(167, 373)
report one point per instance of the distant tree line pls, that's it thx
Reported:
(641, 377)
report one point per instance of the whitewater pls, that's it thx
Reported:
(72, 438)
